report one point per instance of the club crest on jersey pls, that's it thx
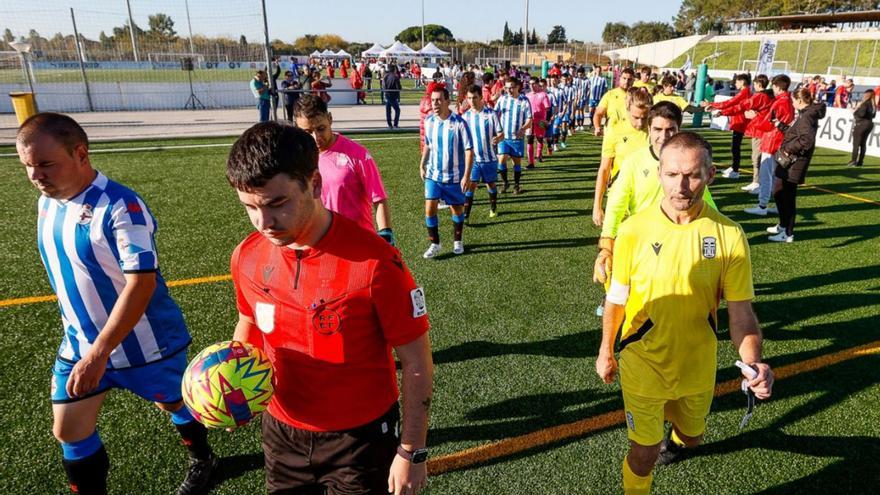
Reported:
(327, 322)
(708, 247)
(419, 307)
(265, 314)
(85, 214)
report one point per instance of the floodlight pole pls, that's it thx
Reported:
(82, 66)
(131, 31)
(190, 26)
(269, 63)
(526, 38)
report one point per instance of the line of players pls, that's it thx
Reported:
(460, 151)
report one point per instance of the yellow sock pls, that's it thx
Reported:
(675, 438)
(634, 484)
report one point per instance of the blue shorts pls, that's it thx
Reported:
(450, 193)
(511, 147)
(566, 118)
(158, 381)
(553, 129)
(594, 103)
(580, 104)
(485, 171)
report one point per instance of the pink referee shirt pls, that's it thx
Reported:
(351, 183)
(540, 104)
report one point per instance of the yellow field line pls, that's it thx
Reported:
(509, 446)
(173, 283)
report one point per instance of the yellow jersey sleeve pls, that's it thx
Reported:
(737, 284)
(617, 207)
(623, 255)
(609, 141)
(603, 102)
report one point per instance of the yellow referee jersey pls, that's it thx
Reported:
(636, 187)
(620, 141)
(676, 276)
(614, 102)
(647, 85)
(674, 98)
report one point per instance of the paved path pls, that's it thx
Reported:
(113, 126)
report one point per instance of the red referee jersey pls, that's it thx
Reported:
(328, 319)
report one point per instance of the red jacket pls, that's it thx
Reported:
(782, 111)
(737, 120)
(759, 102)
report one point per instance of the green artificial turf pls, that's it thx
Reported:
(513, 330)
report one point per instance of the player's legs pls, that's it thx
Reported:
(83, 455)
(644, 420)
(517, 172)
(502, 168)
(531, 149)
(432, 198)
(455, 198)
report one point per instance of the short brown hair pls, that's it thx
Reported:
(689, 140)
(62, 128)
(638, 97)
(666, 110)
(804, 95)
(763, 80)
(268, 149)
(309, 107)
(782, 82)
(476, 90)
(629, 71)
(669, 81)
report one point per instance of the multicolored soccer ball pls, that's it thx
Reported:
(227, 384)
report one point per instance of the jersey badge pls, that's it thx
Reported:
(85, 214)
(708, 247)
(419, 307)
(134, 207)
(657, 247)
(327, 322)
(645, 172)
(265, 314)
(267, 273)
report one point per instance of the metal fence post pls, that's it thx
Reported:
(833, 53)
(797, 60)
(873, 53)
(82, 57)
(856, 57)
(806, 57)
(739, 62)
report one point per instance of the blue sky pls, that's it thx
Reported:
(355, 20)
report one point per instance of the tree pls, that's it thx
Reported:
(161, 28)
(557, 35)
(649, 32)
(517, 38)
(8, 36)
(616, 32)
(533, 38)
(242, 41)
(507, 35)
(433, 33)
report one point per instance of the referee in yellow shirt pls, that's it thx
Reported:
(612, 106)
(620, 140)
(673, 262)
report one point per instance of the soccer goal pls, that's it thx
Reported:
(778, 67)
(835, 70)
(164, 59)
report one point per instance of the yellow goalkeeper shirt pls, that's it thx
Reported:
(636, 187)
(671, 278)
(674, 98)
(614, 103)
(621, 141)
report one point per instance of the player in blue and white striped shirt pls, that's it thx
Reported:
(486, 133)
(598, 86)
(582, 85)
(121, 328)
(554, 118)
(568, 93)
(445, 167)
(515, 113)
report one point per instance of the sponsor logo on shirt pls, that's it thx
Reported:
(417, 296)
(657, 247)
(134, 207)
(708, 247)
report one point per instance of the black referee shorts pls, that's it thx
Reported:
(356, 461)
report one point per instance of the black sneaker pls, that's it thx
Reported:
(199, 476)
(530, 166)
(504, 188)
(671, 452)
(517, 189)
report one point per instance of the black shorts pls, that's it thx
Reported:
(354, 461)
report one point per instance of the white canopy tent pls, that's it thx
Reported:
(315, 54)
(398, 49)
(373, 51)
(328, 53)
(431, 50)
(343, 54)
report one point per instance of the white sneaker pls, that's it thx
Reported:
(774, 229)
(781, 237)
(730, 173)
(757, 210)
(752, 186)
(600, 310)
(772, 210)
(756, 191)
(457, 247)
(442, 205)
(555, 147)
(433, 250)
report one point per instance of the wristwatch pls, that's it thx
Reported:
(417, 456)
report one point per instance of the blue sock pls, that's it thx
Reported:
(80, 450)
(182, 416)
(469, 194)
(493, 190)
(432, 221)
(457, 218)
(517, 168)
(502, 168)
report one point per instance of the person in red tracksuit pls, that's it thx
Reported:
(737, 122)
(781, 112)
(759, 102)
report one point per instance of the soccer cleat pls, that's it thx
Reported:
(555, 147)
(563, 145)
(457, 247)
(752, 186)
(433, 250)
(730, 173)
(530, 166)
(199, 476)
(517, 189)
(600, 310)
(540, 159)
(774, 229)
(756, 191)
(781, 237)
(757, 210)
(493, 213)
(671, 452)
(772, 210)
(852, 164)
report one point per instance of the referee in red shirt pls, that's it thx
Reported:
(327, 300)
